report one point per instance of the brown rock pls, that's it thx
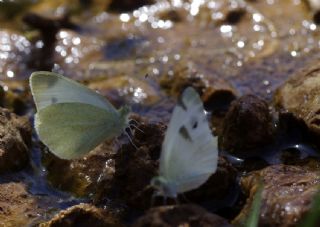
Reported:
(128, 5)
(300, 97)
(85, 175)
(136, 167)
(17, 206)
(215, 92)
(218, 185)
(114, 168)
(15, 138)
(288, 192)
(83, 215)
(247, 125)
(183, 215)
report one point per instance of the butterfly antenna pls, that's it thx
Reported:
(134, 123)
(130, 140)
(130, 129)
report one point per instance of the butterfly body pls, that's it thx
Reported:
(189, 152)
(72, 119)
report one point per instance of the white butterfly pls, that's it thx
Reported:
(72, 119)
(189, 152)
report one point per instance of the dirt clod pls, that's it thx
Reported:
(83, 215)
(300, 97)
(15, 139)
(247, 125)
(17, 206)
(183, 215)
(288, 192)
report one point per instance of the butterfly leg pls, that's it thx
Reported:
(136, 127)
(130, 139)
(134, 124)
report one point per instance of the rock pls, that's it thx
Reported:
(15, 139)
(16, 96)
(300, 97)
(113, 169)
(136, 167)
(83, 215)
(128, 5)
(248, 124)
(17, 206)
(226, 176)
(85, 175)
(288, 192)
(314, 6)
(215, 92)
(180, 215)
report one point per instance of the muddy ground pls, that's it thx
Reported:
(255, 64)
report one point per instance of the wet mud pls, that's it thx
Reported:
(254, 64)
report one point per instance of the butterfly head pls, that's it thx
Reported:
(163, 187)
(124, 113)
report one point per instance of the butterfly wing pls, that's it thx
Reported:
(50, 88)
(71, 130)
(189, 153)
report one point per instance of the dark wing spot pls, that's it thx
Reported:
(54, 100)
(195, 125)
(194, 122)
(181, 103)
(184, 133)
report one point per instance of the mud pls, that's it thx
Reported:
(254, 63)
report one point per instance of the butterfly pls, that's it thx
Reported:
(71, 119)
(189, 152)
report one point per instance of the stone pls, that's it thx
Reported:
(15, 140)
(83, 215)
(248, 125)
(286, 197)
(180, 215)
(17, 206)
(300, 96)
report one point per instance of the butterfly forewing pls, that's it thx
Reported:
(50, 88)
(189, 153)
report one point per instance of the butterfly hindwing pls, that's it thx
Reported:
(50, 88)
(72, 129)
(189, 153)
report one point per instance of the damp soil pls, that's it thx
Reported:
(254, 63)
